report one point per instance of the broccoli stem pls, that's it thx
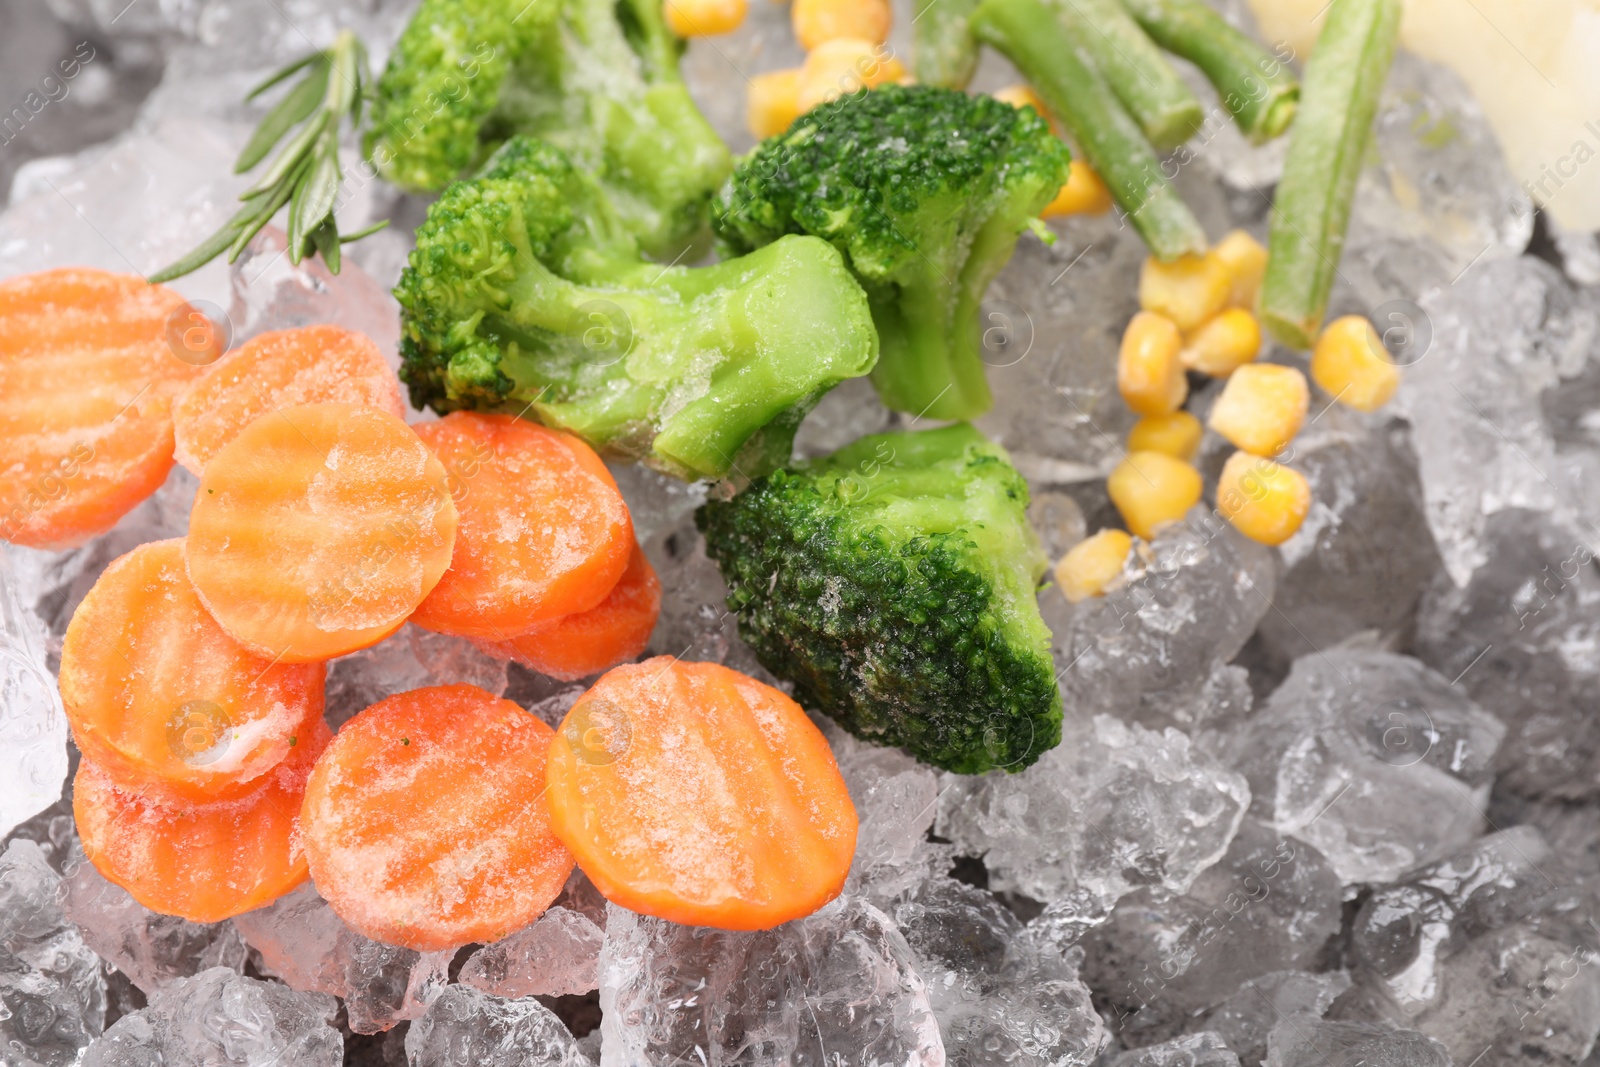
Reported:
(1256, 86)
(944, 52)
(1311, 210)
(1032, 37)
(928, 362)
(1134, 67)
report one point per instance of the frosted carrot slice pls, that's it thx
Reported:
(87, 380)
(425, 822)
(543, 531)
(691, 792)
(206, 861)
(283, 368)
(159, 695)
(318, 529)
(576, 646)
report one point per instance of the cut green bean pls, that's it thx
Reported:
(1140, 76)
(1256, 87)
(943, 51)
(1311, 210)
(1031, 35)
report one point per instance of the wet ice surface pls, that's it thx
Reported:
(466, 1027)
(557, 955)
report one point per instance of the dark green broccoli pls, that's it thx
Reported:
(893, 583)
(925, 191)
(527, 293)
(597, 78)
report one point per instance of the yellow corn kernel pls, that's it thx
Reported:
(1350, 363)
(1265, 501)
(1020, 95)
(1189, 290)
(772, 102)
(1177, 435)
(704, 18)
(844, 65)
(1084, 194)
(1150, 488)
(816, 21)
(1149, 373)
(1261, 408)
(1246, 260)
(1089, 566)
(1223, 344)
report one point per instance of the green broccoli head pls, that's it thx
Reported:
(526, 293)
(925, 191)
(597, 78)
(894, 584)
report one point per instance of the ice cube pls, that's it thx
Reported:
(1371, 757)
(846, 412)
(451, 660)
(153, 950)
(1271, 904)
(361, 679)
(467, 1027)
(222, 1019)
(894, 797)
(53, 995)
(1246, 1018)
(1202, 1049)
(1305, 1041)
(557, 955)
(302, 941)
(33, 726)
(839, 983)
(695, 622)
(999, 996)
(1112, 808)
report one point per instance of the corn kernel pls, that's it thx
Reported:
(1189, 290)
(1177, 435)
(1350, 362)
(772, 102)
(816, 21)
(1084, 194)
(1151, 488)
(844, 65)
(1261, 408)
(1091, 564)
(1246, 260)
(1265, 501)
(704, 18)
(1023, 96)
(1224, 344)
(1149, 373)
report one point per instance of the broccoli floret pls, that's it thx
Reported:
(925, 191)
(527, 294)
(893, 583)
(597, 78)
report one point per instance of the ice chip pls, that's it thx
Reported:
(1202, 1049)
(467, 1027)
(557, 955)
(33, 726)
(1246, 1018)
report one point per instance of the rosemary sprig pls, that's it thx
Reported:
(306, 173)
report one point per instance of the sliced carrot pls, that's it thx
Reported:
(283, 368)
(205, 861)
(544, 531)
(588, 642)
(159, 695)
(87, 380)
(425, 821)
(318, 530)
(696, 794)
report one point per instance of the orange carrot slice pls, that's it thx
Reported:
(87, 380)
(283, 368)
(691, 792)
(158, 694)
(544, 531)
(425, 821)
(205, 861)
(588, 642)
(318, 529)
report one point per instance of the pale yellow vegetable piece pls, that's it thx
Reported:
(1178, 435)
(819, 21)
(1149, 372)
(1350, 363)
(1188, 290)
(1084, 194)
(1223, 344)
(704, 18)
(1265, 501)
(1261, 408)
(844, 65)
(772, 102)
(1091, 564)
(1151, 488)
(1246, 260)
(1021, 95)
